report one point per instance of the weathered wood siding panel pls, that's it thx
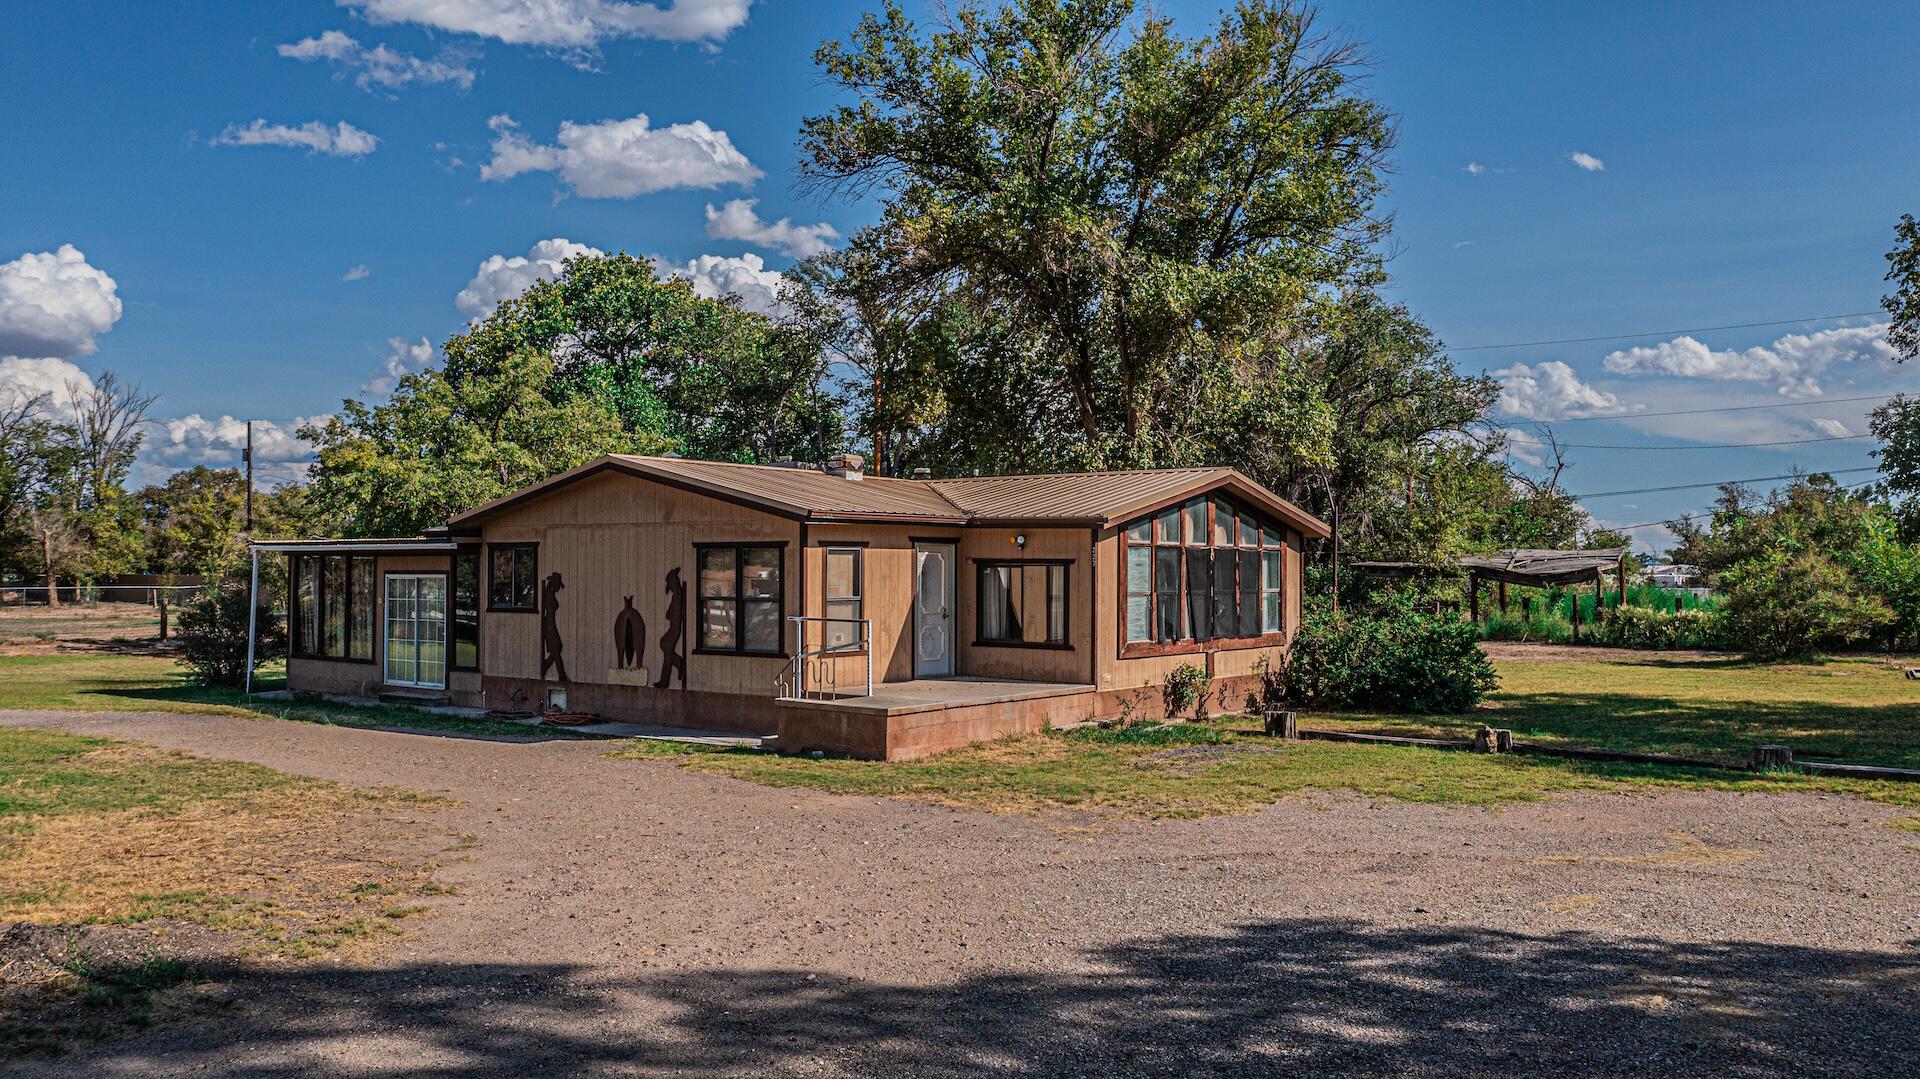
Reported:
(887, 566)
(1071, 664)
(615, 536)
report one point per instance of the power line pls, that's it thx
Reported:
(1709, 513)
(1665, 333)
(1703, 411)
(1688, 445)
(1722, 483)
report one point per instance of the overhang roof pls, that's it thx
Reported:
(1088, 498)
(1524, 566)
(396, 543)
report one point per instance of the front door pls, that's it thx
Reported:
(933, 610)
(417, 630)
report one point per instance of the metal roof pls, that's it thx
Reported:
(805, 493)
(1526, 566)
(396, 543)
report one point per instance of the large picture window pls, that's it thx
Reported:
(332, 612)
(844, 603)
(1207, 569)
(513, 572)
(1023, 603)
(742, 602)
(466, 611)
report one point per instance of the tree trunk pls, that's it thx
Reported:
(46, 555)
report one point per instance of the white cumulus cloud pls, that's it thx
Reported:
(1475, 168)
(340, 140)
(1549, 391)
(381, 66)
(738, 220)
(715, 276)
(403, 358)
(54, 303)
(23, 378)
(1587, 161)
(196, 440)
(357, 273)
(500, 277)
(1830, 427)
(618, 159)
(577, 26)
(1793, 363)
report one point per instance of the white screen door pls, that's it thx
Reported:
(933, 610)
(417, 630)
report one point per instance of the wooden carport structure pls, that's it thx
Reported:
(1533, 567)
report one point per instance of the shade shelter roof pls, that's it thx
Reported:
(1522, 566)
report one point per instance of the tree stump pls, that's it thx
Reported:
(1483, 740)
(1281, 724)
(1502, 740)
(1767, 758)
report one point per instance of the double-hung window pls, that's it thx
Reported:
(1023, 603)
(1206, 569)
(332, 609)
(742, 601)
(844, 608)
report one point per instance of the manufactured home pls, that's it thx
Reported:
(879, 617)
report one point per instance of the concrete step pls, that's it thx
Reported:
(423, 699)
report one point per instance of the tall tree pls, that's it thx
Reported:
(86, 516)
(194, 522)
(435, 448)
(1154, 213)
(1903, 305)
(25, 434)
(700, 376)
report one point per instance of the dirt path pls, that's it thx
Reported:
(623, 917)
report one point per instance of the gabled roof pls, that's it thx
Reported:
(1090, 498)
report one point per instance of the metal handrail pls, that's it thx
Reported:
(800, 655)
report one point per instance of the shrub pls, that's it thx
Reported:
(1780, 605)
(1186, 688)
(1648, 627)
(213, 637)
(1400, 660)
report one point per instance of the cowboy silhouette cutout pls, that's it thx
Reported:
(629, 637)
(672, 658)
(550, 646)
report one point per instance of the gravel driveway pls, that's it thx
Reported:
(626, 917)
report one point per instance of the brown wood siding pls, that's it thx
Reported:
(886, 596)
(1071, 664)
(611, 536)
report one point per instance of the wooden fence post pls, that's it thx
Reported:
(163, 617)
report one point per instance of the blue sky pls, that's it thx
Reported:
(1742, 164)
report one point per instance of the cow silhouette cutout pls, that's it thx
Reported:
(550, 645)
(672, 643)
(629, 637)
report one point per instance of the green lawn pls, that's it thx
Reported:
(1860, 710)
(105, 682)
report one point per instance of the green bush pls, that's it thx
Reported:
(1186, 688)
(1781, 605)
(1649, 627)
(213, 637)
(1399, 660)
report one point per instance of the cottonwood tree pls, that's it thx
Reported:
(89, 526)
(701, 376)
(1154, 213)
(25, 433)
(1903, 304)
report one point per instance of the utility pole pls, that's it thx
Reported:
(247, 455)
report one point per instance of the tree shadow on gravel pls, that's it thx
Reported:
(1301, 996)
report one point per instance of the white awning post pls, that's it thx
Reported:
(253, 614)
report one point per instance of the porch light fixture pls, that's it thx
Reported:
(1020, 540)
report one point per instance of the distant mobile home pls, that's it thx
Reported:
(879, 617)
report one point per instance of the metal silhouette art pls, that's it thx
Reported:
(550, 646)
(629, 637)
(673, 642)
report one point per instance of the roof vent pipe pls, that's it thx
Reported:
(847, 466)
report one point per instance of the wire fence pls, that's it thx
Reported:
(92, 595)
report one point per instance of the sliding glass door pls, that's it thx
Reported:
(417, 630)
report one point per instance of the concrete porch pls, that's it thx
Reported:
(903, 720)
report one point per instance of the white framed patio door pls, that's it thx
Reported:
(417, 630)
(932, 610)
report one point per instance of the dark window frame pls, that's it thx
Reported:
(453, 605)
(696, 603)
(980, 638)
(298, 643)
(516, 607)
(1159, 592)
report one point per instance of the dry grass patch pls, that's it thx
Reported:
(161, 847)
